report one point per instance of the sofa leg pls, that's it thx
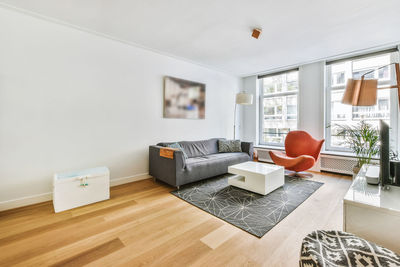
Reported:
(154, 179)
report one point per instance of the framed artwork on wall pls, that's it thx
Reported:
(184, 99)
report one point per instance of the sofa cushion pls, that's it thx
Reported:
(229, 146)
(210, 165)
(200, 148)
(216, 158)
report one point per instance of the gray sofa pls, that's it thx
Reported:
(203, 161)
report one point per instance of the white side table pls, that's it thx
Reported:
(372, 213)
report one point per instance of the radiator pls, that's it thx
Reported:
(329, 163)
(338, 164)
(344, 165)
(263, 155)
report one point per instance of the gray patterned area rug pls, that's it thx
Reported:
(251, 212)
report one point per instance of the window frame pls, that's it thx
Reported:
(394, 124)
(262, 96)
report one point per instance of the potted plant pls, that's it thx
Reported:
(362, 139)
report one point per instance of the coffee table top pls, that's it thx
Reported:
(255, 167)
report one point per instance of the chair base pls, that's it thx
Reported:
(298, 174)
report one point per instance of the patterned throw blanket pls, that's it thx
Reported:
(335, 248)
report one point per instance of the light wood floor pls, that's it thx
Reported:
(143, 224)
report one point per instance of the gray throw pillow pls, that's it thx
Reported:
(178, 146)
(229, 146)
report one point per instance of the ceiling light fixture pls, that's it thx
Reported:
(256, 33)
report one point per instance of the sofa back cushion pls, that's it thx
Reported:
(198, 148)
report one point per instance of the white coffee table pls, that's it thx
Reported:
(261, 178)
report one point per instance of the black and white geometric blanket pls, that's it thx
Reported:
(336, 248)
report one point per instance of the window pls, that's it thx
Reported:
(278, 106)
(339, 114)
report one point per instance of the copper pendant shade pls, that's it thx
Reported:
(360, 92)
(364, 92)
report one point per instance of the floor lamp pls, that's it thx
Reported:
(242, 98)
(363, 92)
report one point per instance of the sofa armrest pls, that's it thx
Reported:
(248, 148)
(165, 169)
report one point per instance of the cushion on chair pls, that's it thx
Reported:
(336, 248)
(227, 146)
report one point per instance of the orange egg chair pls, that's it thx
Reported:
(302, 151)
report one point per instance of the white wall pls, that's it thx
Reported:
(70, 99)
(311, 99)
(250, 114)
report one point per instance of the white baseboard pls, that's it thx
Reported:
(34, 199)
(25, 201)
(129, 179)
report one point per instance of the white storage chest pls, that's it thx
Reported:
(74, 189)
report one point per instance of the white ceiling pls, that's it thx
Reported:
(216, 33)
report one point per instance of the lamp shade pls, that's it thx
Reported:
(244, 98)
(360, 92)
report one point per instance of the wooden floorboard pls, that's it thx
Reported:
(92, 254)
(144, 225)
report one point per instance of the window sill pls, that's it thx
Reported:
(343, 154)
(338, 153)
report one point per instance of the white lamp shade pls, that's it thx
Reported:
(244, 99)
